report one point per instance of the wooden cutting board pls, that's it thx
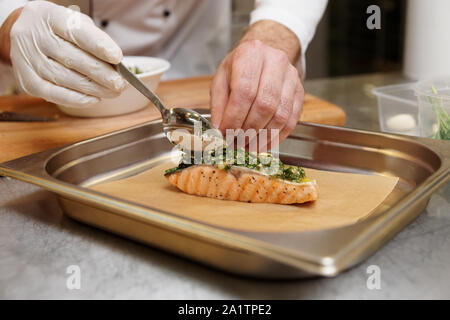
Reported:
(18, 139)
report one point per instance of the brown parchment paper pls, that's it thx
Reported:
(344, 199)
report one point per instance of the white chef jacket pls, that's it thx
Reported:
(194, 35)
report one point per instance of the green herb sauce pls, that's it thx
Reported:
(248, 160)
(135, 70)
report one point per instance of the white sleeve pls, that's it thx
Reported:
(300, 16)
(8, 6)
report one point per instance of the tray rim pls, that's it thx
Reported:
(325, 266)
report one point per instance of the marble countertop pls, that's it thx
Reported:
(38, 244)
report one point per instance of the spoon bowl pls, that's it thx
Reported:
(172, 119)
(184, 118)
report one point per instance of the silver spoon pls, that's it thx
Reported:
(172, 119)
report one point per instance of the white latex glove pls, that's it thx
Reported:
(65, 62)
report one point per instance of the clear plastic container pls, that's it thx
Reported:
(434, 108)
(398, 109)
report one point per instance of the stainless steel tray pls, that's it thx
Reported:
(423, 165)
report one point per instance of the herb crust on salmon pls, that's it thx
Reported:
(249, 180)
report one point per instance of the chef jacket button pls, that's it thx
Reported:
(104, 23)
(166, 13)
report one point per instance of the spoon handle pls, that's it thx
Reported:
(142, 88)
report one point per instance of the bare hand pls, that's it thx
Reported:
(256, 87)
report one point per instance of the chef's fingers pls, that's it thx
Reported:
(269, 136)
(267, 99)
(246, 66)
(80, 30)
(285, 108)
(78, 60)
(33, 85)
(219, 92)
(296, 111)
(59, 75)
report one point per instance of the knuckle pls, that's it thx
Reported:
(233, 118)
(281, 56)
(243, 48)
(281, 117)
(256, 44)
(268, 99)
(68, 62)
(237, 55)
(239, 52)
(245, 90)
(285, 103)
(266, 104)
(290, 126)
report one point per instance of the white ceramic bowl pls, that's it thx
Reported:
(130, 99)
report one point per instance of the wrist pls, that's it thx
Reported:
(275, 35)
(5, 40)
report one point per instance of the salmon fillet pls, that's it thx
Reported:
(241, 184)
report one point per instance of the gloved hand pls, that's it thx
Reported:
(60, 55)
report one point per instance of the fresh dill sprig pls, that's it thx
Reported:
(442, 117)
